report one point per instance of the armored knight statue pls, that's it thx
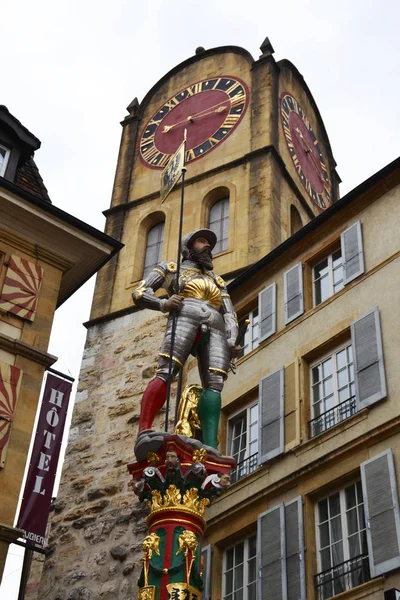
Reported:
(206, 326)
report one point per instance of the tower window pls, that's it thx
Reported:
(155, 238)
(219, 223)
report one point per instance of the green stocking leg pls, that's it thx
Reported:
(209, 409)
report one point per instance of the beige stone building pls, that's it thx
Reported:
(313, 399)
(46, 254)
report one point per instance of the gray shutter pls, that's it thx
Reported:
(352, 253)
(294, 303)
(295, 559)
(267, 311)
(206, 553)
(280, 541)
(271, 416)
(271, 554)
(368, 359)
(381, 508)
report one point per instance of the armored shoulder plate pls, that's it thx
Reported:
(219, 281)
(171, 267)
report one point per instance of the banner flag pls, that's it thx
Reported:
(39, 484)
(173, 171)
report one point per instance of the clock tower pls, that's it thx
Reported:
(259, 167)
(254, 135)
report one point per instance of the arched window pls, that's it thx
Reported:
(219, 223)
(155, 238)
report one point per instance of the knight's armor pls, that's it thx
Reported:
(205, 326)
(206, 323)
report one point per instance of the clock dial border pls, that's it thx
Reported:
(233, 87)
(321, 199)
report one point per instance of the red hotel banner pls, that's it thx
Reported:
(39, 485)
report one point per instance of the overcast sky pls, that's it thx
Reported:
(70, 68)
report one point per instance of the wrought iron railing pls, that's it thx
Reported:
(332, 417)
(342, 577)
(244, 467)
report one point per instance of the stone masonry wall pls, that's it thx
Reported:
(98, 525)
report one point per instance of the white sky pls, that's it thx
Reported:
(69, 68)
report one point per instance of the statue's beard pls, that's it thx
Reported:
(202, 257)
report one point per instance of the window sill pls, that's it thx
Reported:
(361, 591)
(328, 434)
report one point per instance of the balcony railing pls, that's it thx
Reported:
(342, 577)
(244, 468)
(332, 417)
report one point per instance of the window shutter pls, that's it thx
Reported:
(267, 311)
(206, 554)
(294, 302)
(10, 383)
(271, 554)
(381, 513)
(368, 359)
(21, 288)
(281, 552)
(295, 560)
(271, 416)
(352, 252)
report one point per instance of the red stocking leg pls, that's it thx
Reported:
(153, 399)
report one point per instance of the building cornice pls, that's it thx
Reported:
(22, 349)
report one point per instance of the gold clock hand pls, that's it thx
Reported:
(310, 152)
(202, 113)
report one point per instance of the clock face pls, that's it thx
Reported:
(305, 152)
(209, 110)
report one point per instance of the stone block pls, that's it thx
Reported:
(119, 552)
(78, 446)
(80, 593)
(128, 568)
(81, 396)
(73, 435)
(83, 522)
(82, 416)
(121, 409)
(82, 482)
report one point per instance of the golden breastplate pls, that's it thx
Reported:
(200, 286)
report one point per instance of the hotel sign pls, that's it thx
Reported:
(39, 485)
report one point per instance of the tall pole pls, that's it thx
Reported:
(175, 314)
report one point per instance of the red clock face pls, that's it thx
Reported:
(209, 110)
(305, 151)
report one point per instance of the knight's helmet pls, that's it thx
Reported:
(190, 237)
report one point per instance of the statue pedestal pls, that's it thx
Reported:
(177, 482)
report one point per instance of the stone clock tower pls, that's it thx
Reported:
(259, 167)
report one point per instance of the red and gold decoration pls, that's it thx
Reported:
(210, 110)
(10, 383)
(305, 151)
(176, 483)
(21, 288)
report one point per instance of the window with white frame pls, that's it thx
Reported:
(240, 571)
(328, 277)
(342, 552)
(332, 390)
(219, 224)
(251, 337)
(4, 155)
(243, 442)
(155, 238)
